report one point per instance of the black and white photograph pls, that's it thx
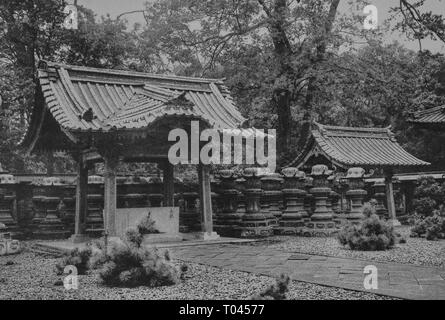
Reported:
(215, 155)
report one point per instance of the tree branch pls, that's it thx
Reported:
(130, 12)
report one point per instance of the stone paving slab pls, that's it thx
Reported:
(397, 280)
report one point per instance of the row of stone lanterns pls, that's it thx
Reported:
(291, 203)
(248, 205)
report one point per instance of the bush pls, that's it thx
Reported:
(429, 196)
(425, 206)
(147, 226)
(78, 258)
(129, 264)
(432, 228)
(371, 235)
(135, 237)
(369, 209)
(275, 292)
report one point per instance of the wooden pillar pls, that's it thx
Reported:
(110, 193)
(81, 202)
(169, 187)
(205, 198)
(390, 199)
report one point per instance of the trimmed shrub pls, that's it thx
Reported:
(425, 206)
(135, 237)
(147, 226)
(275, 292)
(369, 209)
(78, 258)
(132, 266)
(432, 228)
(372, 234)
(129, 264)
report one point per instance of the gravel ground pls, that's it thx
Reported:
(31, 276)
(415, 251)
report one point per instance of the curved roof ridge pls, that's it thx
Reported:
(82, 99)
(351, 129)
(128, 73)
(350, 146)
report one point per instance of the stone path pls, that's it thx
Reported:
(397, 280)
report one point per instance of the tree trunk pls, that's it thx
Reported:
(282, 99)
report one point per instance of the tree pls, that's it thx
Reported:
(101, 44)
(32, 30)
(418, 25)
(274, 47)
(29, 30)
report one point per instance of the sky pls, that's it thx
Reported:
(115, 7)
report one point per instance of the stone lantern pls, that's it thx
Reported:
(132, 193)
(155, 195)
(241, 200)
(380, 196)
(272, 185)
(8, 202)
(7, 244)
(294, 215)
(50, 225)
(228, 219)
(67, 206)
(321, 223)
(254, 222)
(356, 194)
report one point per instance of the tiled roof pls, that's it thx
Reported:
(91, 99)
(366, 147)
(433, 116)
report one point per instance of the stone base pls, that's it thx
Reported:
(50, 235)
(394, 222)
(230, 231)
(161, 238)
(257, 232)
(15, 231)
(290, 227)
(95, 232)
(340, 219)
(289, 231)
(320, 229)
(206, 236)
(79, 238)
(9, 246)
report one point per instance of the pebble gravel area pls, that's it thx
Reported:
(415, 251)
(30, 276)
